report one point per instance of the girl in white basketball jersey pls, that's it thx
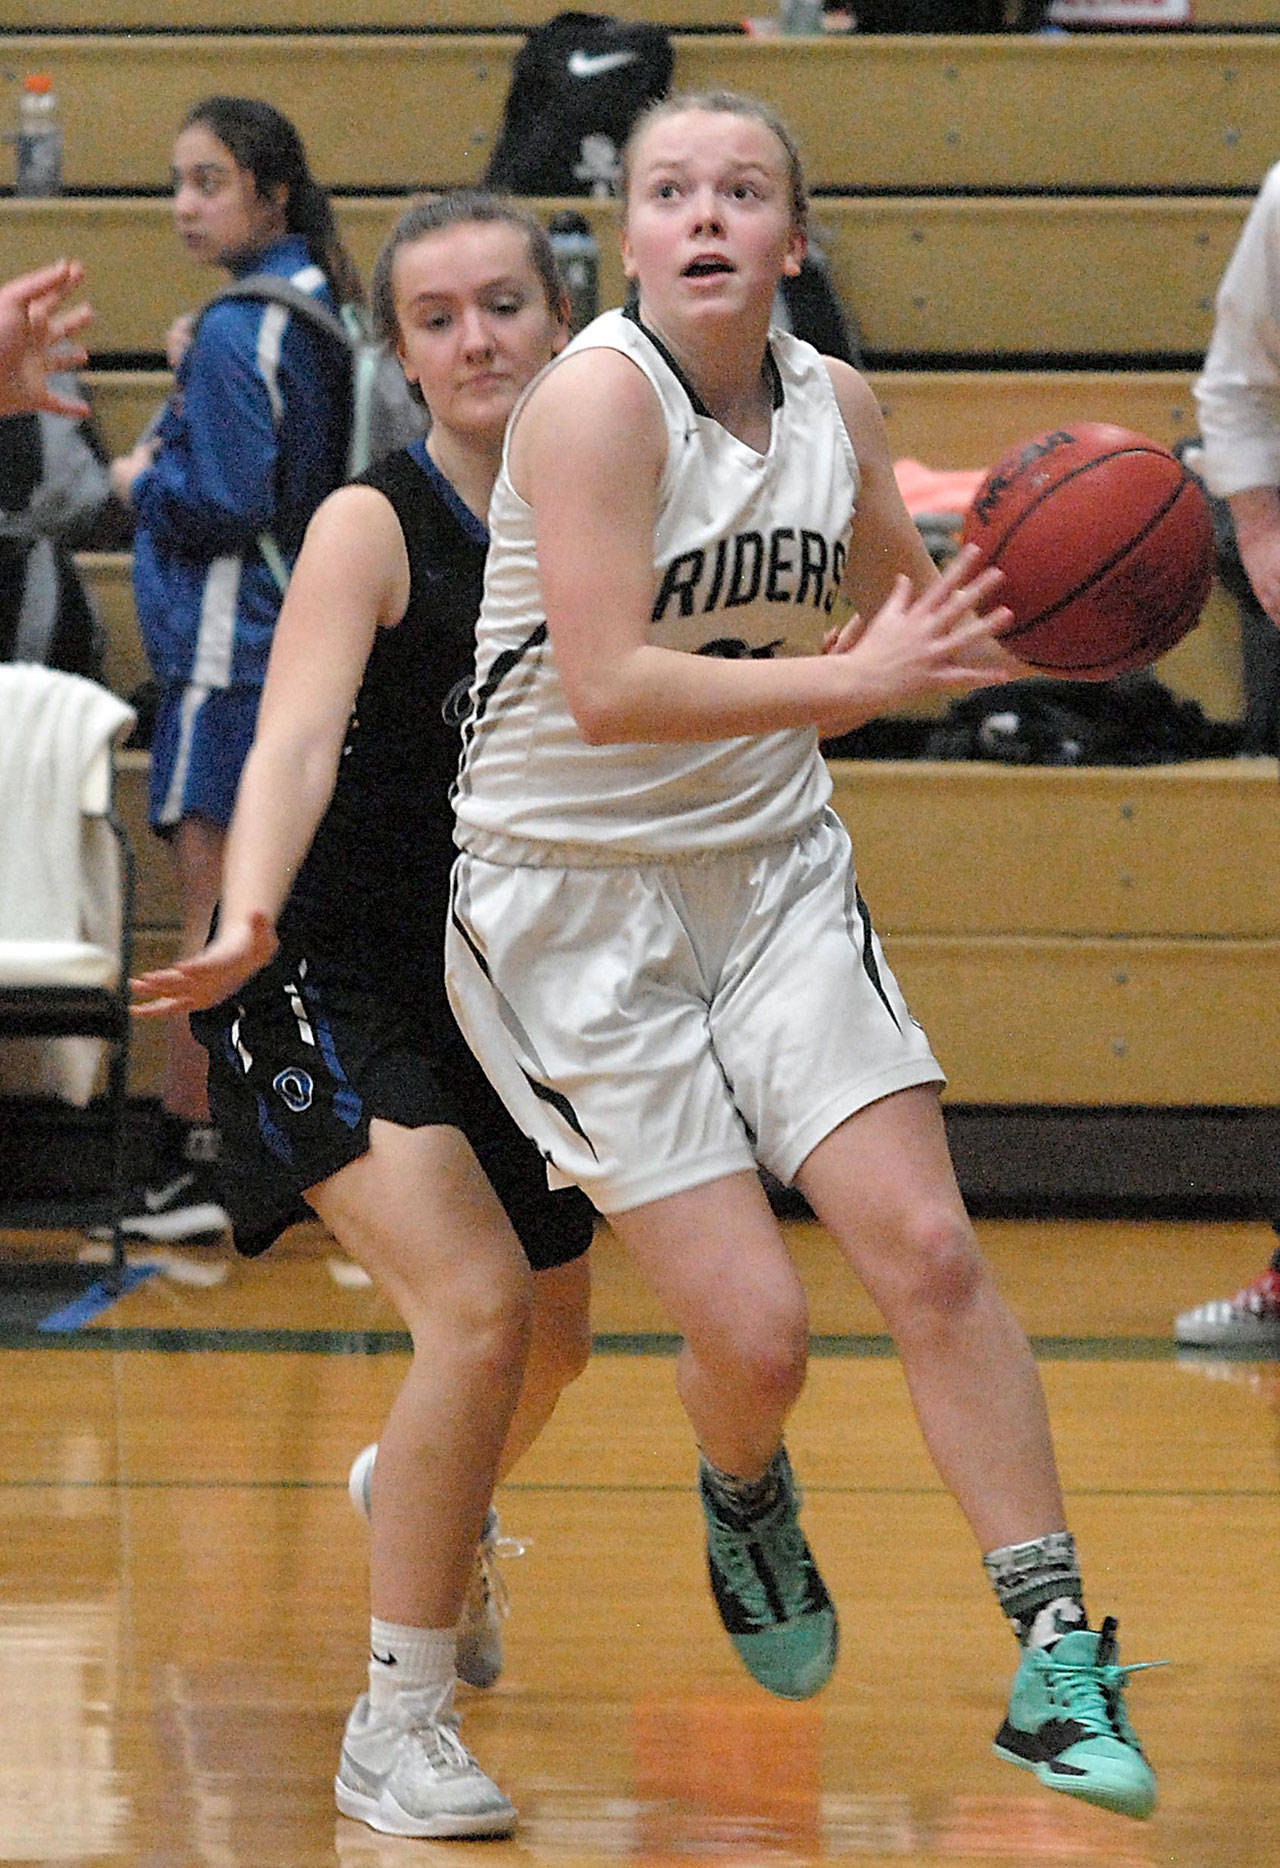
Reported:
(657, 945)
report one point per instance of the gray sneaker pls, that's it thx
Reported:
(405, 1772)
(487, 1605)
(1249, 1320)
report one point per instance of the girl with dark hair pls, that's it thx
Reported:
(336, 1073)
(267, 146)
(251, 441)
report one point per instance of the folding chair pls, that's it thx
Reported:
(67, 882)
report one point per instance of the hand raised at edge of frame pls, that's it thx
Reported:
(36, 337)
(237, 951)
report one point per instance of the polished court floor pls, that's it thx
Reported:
(183, 1613)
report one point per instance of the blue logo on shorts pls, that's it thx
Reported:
(295, 1089)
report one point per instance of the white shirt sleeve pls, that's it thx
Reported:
(1238, 390)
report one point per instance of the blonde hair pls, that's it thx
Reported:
(462, 207)
(729, 104)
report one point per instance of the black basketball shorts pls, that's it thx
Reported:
(300, 1062)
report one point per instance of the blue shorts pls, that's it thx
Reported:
(202, 738)
(302, 1059)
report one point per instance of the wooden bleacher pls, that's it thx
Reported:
(960, 418)
(362, 15)
(975, 194)
(953, 418)
(484, 15)
(1017, 113)
(1027, 231)
(998, 276)
(1088, 936)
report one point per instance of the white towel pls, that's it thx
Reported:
(58, 873)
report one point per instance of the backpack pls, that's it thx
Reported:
(1132, 719)
(577, 85)
(883, 16)
(384, 413)
(53, 486)
(809, 305)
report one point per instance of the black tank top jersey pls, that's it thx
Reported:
(371, 897)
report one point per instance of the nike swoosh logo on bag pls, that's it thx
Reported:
(595, 64)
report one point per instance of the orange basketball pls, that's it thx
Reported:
(1106, 544)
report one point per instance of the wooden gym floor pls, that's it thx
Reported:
(183, 1613)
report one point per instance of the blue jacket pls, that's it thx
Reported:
(252, 440)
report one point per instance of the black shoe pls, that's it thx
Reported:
(181, 1198)
(181, 1205)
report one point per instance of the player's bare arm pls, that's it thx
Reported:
(593, 500)
(351, 577)
(885, 542)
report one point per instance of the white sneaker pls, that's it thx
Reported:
(360, 1480)
(487, 1605)
(405, 1772)
(485, 1609)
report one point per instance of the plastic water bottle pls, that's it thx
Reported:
(800, 19)
(578, 260)
(39, 139)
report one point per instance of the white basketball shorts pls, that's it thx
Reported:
(656, 1027)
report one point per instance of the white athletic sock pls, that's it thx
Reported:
(407, 1659)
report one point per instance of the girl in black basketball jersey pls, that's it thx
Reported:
(337, 1075)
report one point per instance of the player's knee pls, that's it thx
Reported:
(945, 1269)
(486, 1324)
(771, 1357)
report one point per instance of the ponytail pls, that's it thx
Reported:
(263, 141)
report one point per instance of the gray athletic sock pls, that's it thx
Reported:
(1038, 1586)
(741, 1499)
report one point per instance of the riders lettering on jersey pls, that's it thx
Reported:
(793, 567)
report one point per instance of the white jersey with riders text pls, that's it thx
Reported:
(748, 553)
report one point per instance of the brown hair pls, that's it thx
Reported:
(729, 104)
(463, 207)
(264, 141)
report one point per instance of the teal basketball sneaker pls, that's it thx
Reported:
(1067, 1723)
(771, 1599)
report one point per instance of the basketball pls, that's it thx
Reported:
(1106, 544)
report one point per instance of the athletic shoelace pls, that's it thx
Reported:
(1088, 1692)
(759, 1561)
(432, 1724)
(487, 1587)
